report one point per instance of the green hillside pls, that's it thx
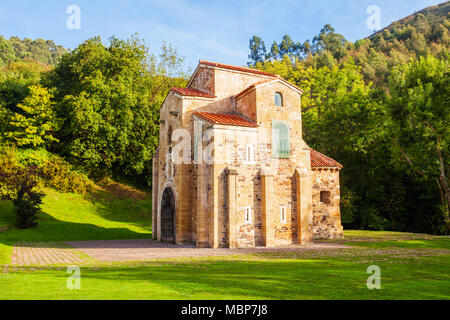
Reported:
(379, 106)
(39, 50)
(436, 13)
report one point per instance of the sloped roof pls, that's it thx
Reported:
(319, 160)
(226, 119)
(236, 68)
(192, 92)
(253, 86)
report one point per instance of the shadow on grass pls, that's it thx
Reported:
(51, 229)
(331, 279)
(138, 212)
(222, 278)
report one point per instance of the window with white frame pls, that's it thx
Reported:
(249, 153)
(283, 215)
(248, 214)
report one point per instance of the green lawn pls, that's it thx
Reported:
(71, 217)
(412, 266)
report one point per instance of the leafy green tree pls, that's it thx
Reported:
(329, 40)
(19, 185)
(36, 122)
(7, 54)
(420, 113)
(16, 79)
(39, 50)
(348, 115)
(258, 51)
(274, 51)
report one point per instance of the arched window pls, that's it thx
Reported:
(278, 99)
(280, 139)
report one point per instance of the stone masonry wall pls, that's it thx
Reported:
(326, 218)
(201, 189)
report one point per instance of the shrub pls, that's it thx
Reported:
(32, 157)
(18, 185)
(28, 201)
(8, 165)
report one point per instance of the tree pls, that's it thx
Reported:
(274, 51)
(347, 114)
(7, 54)
(329, 40)
(109, 98)
(419, 108)
(39, 50)
(18, 185)
(257, 51)
(15, 81)
(35, 123)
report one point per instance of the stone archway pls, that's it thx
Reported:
(168, 216)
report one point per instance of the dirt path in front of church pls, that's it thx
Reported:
(142, 250)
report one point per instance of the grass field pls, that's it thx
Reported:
(412, 266)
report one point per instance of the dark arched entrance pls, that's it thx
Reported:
(168, 216)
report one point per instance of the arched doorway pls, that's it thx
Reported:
(168, 216)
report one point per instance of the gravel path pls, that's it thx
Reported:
(139, 250)
(53, 253)
(43, 254)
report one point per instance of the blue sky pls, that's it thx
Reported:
(210, 30)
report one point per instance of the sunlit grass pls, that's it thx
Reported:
(72, 217)
(412, 266)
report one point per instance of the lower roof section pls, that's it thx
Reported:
(226, 119)
(319, 160)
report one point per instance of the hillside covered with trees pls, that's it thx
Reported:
(94, 115)
(381, 107)
(39, 50)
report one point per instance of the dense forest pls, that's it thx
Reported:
(380, 106)
(39, 50)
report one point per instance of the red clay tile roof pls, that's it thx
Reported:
(319, 160)
(192, 92)
(242, 69)
(226, 119)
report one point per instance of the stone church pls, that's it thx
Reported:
(232, 168)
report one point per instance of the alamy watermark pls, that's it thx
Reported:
(74, 280)
(74, 20)
(374, 281)
(374, 20)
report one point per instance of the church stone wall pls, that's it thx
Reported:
(326, 217)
